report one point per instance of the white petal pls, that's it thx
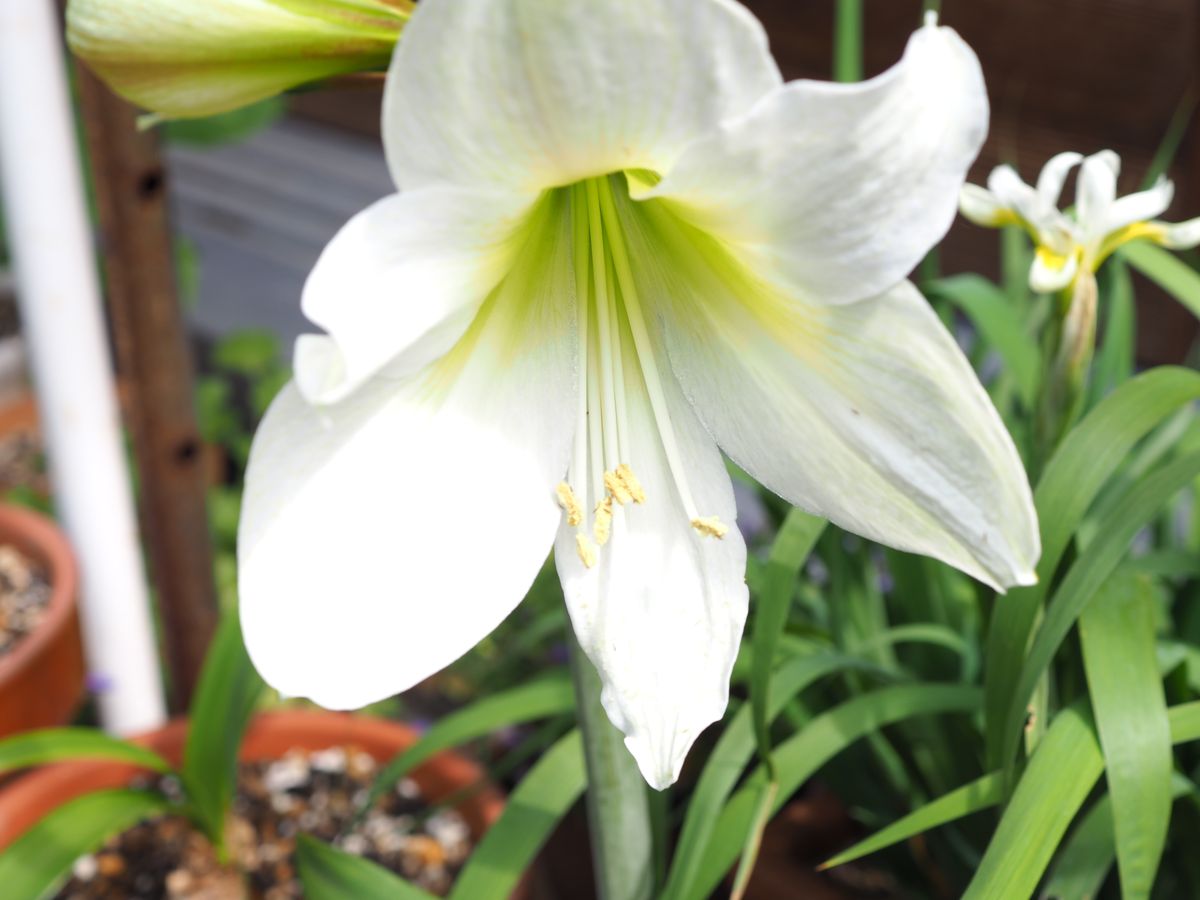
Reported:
(528, 94)
(1051, 227)
(1054, 176)
(840, 190)
(661, 614)
(401, 282)
(1051, 274)
(982, 207)
(1097, 191)
(384, 535)
(1182, 236)
(1143, 206)
(865, 413)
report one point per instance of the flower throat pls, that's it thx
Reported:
(612, 334)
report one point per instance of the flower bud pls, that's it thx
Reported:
(190, 58)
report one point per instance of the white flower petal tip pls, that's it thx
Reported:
(1183, 236)
(981, 206)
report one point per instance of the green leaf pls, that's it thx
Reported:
(248, 352)
(37, 863)
(1166, 270)
(1061, 773)
(795, 541)
(532, 812)
(980, 794)
(540, 699)
(1115, 360)
(1089, 573)
(1185, 722)
(37, 748)
(1117, 634)
(328, 873)
(1076, 473)
(225, 128)
(999, 323)
(798, 758)
(228, 692)
(729, 759)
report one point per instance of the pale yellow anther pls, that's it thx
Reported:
(620, 492)
(570, 504)
(632, 485)
(711, 526)
(602, 526)
(587, 552)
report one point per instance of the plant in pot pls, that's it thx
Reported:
(175, 814)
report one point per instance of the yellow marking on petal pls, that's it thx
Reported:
(1051, 260)
(602, 526)
(570, 504)
(631, 483)
(711, 526)
(585, 549)
(1151, 231)
(617, 488)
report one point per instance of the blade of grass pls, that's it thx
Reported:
(533, 811)
(328, 873)
(1117, 634)
(801, 756)
(37, 748)
(1088, 457)
(1114, 361)
(36, 864)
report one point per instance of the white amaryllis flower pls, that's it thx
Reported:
(1079, 240)
(620, 242)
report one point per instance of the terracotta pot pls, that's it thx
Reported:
(42, 679)
(270, 736)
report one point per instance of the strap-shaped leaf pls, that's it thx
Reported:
(999, 324)
(1168, 271)
(1088, 574)
(1080, 468)
(228, 692)
(531, 814)
(729, 759)
(37, 863)
(1117, 634)
(1061, 773)
(801, 756)
(980, 794)
(795, 541)
(540, 699)
(36, 748)
(328, 873)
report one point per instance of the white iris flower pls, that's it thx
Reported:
(620, 243)
(1080, 240)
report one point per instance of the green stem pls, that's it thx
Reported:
(618, 805)
(848, 41)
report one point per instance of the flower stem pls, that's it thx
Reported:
(618, 806)
(848, 41)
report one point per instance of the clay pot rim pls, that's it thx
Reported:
(40, 538)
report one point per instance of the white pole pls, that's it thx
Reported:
(61, 313)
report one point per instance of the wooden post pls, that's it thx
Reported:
(154, 361)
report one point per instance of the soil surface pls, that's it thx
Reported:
(314, 793)
(24, 597)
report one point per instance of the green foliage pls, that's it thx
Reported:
(37, 863)
(225, 128)
(331, 874)
(38, 748)
(226, 697)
